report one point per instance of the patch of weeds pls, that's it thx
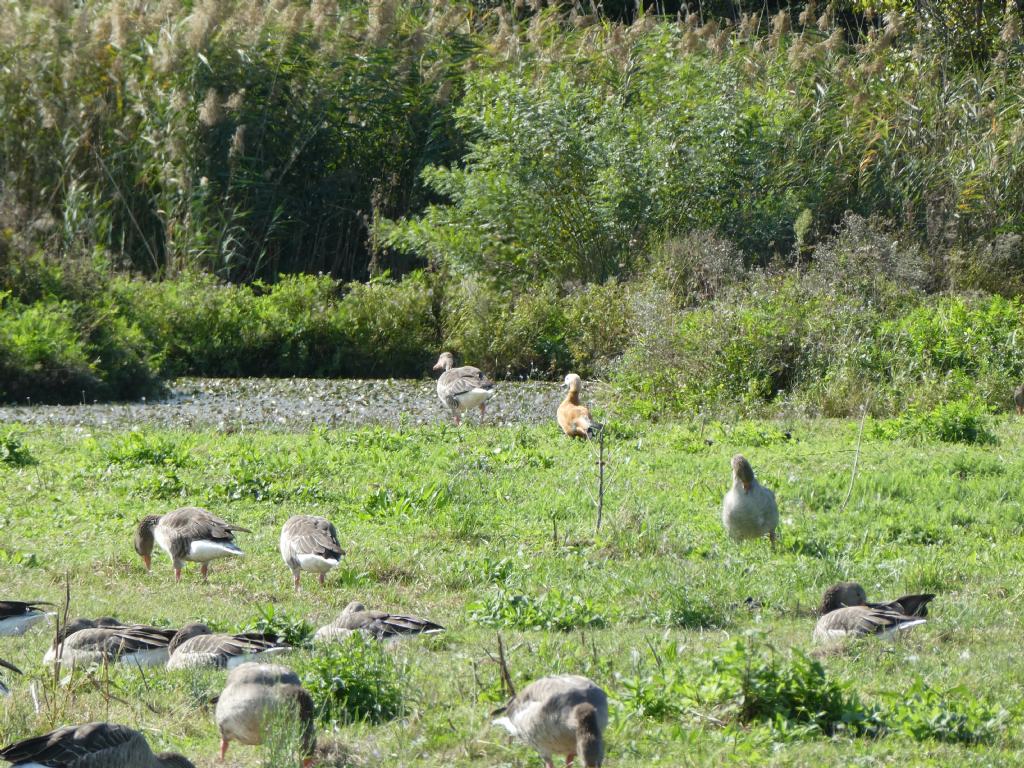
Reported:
(383, 502)
(752, 434)
(956, 716)
(292, 630)
(166, 485)
(13, 451)
(283, 743)
(965, 466)
(355, 680)
(691, 613)
(139, 449)
(553, 610)
(21, 559)
(968, 420)
(251, 476)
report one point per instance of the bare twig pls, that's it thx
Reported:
(600, 478)
(506, 678)
(856, 455)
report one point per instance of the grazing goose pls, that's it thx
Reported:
(196, 645)
(379, 624)
(93, 745)
(748, 509)
(461, 389)
(255, 692)
(1018, 399)
(4, 691)
(845, 612)
(189, 534)
(564, 714)
(310, 543)
(87, 641)
(573, 418)
(16, 617)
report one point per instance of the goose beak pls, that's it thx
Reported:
(746, 486)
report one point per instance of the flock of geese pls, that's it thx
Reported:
(559, 714)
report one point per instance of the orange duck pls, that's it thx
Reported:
(573, 418)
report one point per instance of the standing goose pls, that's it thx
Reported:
(86, 641)
(564, 714)
(310, 543)
(1018, 399)
(573, 418)
(195, 645)
(93, 745)
(846, 612)
(461, 389)
(16, 617)
(189, 534)
(748, 509)
(379, 624)
(4, 691)
(255, 693)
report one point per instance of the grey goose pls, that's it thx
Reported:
(255, 693)
(16, 617)
(196, 645)
(845, 612)
(748, 509)
(92, 745)
(562, 714)
(188, 534)
(106, 640)
(356, 617)
(310, 543)
(461, 389)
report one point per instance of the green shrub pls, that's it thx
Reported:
(140, 448)
(355, 680)
(553, 610)
(957, 716)
(290, 629)
(12, 450)
(959, 421)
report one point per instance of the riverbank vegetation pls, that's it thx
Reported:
(815, 209)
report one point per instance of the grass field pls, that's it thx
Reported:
(488, 529)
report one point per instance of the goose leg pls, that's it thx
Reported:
(297, 580)
(568, 759)
(322, 576)
(205, 570)
(223, 748)
(481, 411)
(773, 537)
(458, 420)
(177, 575)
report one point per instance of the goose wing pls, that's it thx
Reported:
(12, 608)
(308, 535)
(71, 744)
(459, 381)
(196, 524)
(383, 625)
(908, 605)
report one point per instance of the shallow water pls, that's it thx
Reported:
(290, 404)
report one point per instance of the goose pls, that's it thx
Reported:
(188, 534)
(92, 745)
(310, 543)
(564, 714)
(748, 509)
(255, 692)
(379, 624)
(573, 418)
(845, 612)
(461, 389)
(16, 617)
(4, 690)
(1018, 399)
(195, 645)
(98, 641)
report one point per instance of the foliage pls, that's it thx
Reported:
(290, 629)
(552, 610)
(954, 716)
(13, 450)
(354, 680)
(958, 421)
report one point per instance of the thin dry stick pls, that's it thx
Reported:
(856, 455)
(600, 479)
(506, 678)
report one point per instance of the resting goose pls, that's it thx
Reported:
(93, 745)
(189, 534)
(87, 641)
(748, 509)
(461, 389)
(1018, 399)
(16, 617)
(4, 691)
(846, 612)
(379, 624)
(310, 543)
(573, 418)
(195, 645)
(564, 714)
(255, 692)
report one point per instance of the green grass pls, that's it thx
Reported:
(460, 526)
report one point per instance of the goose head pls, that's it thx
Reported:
(144, 539)
(573, 382)
(742, 472)
(187, 632)
(843, 595)
(354, 607)
(445, 362)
